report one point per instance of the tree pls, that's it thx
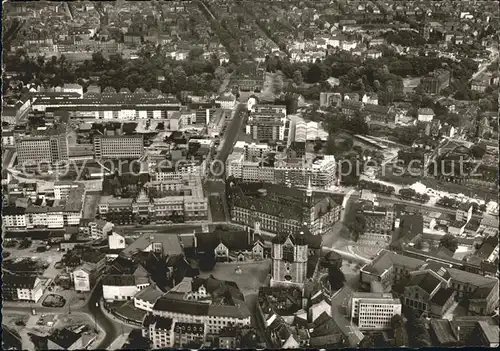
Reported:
(357, 226)
(207, 262)
(195, 53)
(336, 278)
(297, 77)
(449, 241)
(419, 336)
(98, 59)
(315, 73)
(485, 105)
(400, 334)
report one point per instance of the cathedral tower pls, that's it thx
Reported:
(289, 256)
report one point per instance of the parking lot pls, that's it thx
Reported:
(49, 257)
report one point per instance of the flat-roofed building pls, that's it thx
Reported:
(373, 311)
(45, 145)
(119, 147)
(267, 122)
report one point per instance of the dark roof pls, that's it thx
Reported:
(411, 225)
(426, 281)
(277, 200)
(13, 211)
(190, 328)
(165, 303)
(148, 320)
(352, 104)
(442, 252)
(312, 263)
(21, 281)
(442, 296)
(118, 280)
(164, 323)
(483, 291)
(228, 332)
(444, 330)
(233, 240)
(372, 108)
(325, 325)
(64, 337)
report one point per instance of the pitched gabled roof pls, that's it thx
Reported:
(444, 330)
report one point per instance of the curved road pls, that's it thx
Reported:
(106, 324)
(92, 309)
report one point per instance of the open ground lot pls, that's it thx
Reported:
(42, 324)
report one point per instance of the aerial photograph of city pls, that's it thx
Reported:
(250, 174)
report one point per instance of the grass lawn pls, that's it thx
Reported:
(253, 275)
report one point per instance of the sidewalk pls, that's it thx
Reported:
(113, 317)
(118, 342)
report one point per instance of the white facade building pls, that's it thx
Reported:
(373, 311)
(116, 241)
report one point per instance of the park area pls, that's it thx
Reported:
(53, 300)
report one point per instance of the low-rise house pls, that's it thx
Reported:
(350, 107)
(84, 277)
(237, 246)
(22, 287)
(488, 334)
(65, 339)
(444, 332)
(227, 101)
(116, 241)
(380, 115)
(147, 297)
(425, 115)
(124, 287)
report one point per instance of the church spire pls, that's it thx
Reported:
(309, 191)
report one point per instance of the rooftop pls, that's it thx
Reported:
(444, 330)
(65, 338)
(386, 259)
(149, 294)
(442, 296)
(169, 244)
(490, 331)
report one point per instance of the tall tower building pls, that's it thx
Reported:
(289, 256)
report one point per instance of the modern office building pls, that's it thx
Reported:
(267, 122)
(118, 146)
(43, 145)
(110, 106)
(373, 311)
(248, 164)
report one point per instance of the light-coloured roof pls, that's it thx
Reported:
(169, 242)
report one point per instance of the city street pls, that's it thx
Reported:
(111, 328)
(231, 133)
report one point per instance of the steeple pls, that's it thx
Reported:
(309, 191)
